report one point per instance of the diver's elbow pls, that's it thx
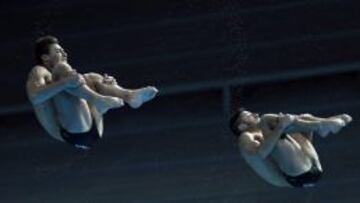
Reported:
(35, 99)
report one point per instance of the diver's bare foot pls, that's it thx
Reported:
(332, 125)
(106, 103)
(345, 117)
(140, 96)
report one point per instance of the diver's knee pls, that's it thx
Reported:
(93, 78)
(62, 70)
(96, 77)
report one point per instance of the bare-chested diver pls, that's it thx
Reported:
(279, 148)
(70, 105)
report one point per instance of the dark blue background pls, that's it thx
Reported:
(207, 58)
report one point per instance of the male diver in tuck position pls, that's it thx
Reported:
(279, 147)
(70, 105)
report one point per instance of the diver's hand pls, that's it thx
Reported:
(109, 80)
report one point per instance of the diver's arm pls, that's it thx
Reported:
(270, 140)
(254, 147)
(267, 169)
(39, 91)
(272, 134)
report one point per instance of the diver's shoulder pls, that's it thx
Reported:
(39, 68)
(38, 71)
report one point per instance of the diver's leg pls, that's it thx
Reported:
(107, 85)
(102, 103)
(323, 126)
(345, 117)
(306, 144)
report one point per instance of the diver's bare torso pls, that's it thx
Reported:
(47, 113)
(287, 157)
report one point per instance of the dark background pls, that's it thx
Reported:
(207, 58)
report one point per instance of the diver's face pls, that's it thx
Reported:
(250, 118)
(56, 55)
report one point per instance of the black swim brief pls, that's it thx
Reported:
(283, 136)
(84, 140)
(307, 179)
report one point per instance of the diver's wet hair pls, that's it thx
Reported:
(234, 122)
(42, 47)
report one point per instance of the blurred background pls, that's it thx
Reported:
(207, 57)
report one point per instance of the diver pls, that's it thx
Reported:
(279, 147)
(69, 105)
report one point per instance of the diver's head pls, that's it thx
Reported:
(48, 52)
(243, 120)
